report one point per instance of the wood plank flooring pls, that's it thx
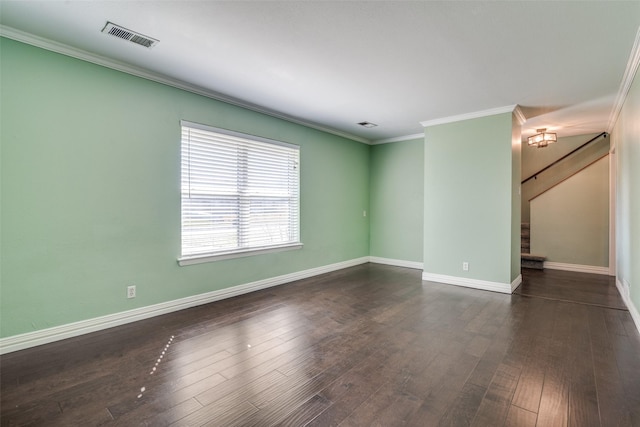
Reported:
(585, 288)
(371, 345)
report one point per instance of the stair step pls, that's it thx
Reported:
(525, 238)
(532, 261)
(527, 260)
(533, 257)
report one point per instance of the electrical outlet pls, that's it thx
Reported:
(364, 213)
(465, 266)
(131, 291)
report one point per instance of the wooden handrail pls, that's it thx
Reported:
(605, 134)
(574, 173)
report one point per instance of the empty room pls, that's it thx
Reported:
(319, 213)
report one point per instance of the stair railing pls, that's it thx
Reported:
(602, 134)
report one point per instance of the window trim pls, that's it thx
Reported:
(200, 259)
(243, 252)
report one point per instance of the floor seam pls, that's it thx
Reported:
(570, 301)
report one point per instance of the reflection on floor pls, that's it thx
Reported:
(368, 345)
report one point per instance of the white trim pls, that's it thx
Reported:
(43, 43)
(56, 333)
(623, 289)
(201, 259)
(613, 167)
(505, 288)
(516, 282)
(629, 74)
(397, 262)
(592, 269)
(398, 139)
(520, 117)
(467, 116)
(236, 134)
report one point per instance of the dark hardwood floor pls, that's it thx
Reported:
(585, 288)
(368, 345)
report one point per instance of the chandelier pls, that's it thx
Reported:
(542, 138)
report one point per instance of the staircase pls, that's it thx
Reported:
(561, 169)
(525, 238)
(527, 260)
(550, 176)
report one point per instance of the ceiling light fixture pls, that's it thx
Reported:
(542, 138)
(368, 124)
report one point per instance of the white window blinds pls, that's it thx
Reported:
(239, 192)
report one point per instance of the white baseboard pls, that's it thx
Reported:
(576, 267)
(505, 288)
(623, 288)
(57, 333)
(517, 282)
(397, 262)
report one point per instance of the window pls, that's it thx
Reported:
(240, 194)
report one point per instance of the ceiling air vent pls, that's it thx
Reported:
(132, 36)
(367, 124)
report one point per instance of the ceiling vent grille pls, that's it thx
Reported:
(132, 36)
(367, 124)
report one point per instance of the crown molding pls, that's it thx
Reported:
(519, 115)
(517, 112)
(627, 80)
(83, 55)
(398, 139)
(474, 115)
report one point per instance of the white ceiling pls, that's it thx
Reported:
(333, 64)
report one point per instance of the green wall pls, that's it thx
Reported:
(626, 139)
(90, 201)
(469, 198)
(570, 222)
(90, 198)
(397, 193)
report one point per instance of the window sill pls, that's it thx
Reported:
(200, 259)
